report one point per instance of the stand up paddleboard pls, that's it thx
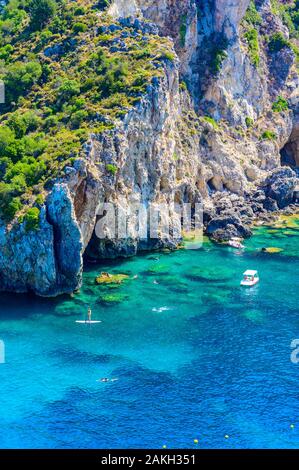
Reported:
(87, 322)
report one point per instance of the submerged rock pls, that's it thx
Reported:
(112, 299)
(212, 275)
(106, 278)
(159, 269)
(272, 250)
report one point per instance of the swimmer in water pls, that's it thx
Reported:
(105, 380)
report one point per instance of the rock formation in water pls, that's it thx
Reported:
(218, 125)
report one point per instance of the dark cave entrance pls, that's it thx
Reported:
(289, 154)
(211, 187)
(215, 184)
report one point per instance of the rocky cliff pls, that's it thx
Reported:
(215, 125)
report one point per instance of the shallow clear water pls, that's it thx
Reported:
(196, 356)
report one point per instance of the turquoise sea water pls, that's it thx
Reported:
(196, 356)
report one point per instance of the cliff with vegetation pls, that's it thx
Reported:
(139, 101)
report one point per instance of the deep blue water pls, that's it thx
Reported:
(196, 356)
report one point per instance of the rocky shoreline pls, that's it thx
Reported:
(232, 215)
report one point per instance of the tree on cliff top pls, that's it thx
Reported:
(41, 11)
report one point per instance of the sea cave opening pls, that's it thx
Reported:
(289, 154)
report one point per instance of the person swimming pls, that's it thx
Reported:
(105, 380)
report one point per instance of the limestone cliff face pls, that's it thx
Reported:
(193, 25)
(47, 261)
(217, 15)
(228, 15)
(168, 149)
(239, 91)
(157, 156)
(198, 28)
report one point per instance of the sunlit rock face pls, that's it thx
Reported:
(200, 30)
(217, 15)
(228, 14)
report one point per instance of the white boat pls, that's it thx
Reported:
(235, 243)
(250, 278)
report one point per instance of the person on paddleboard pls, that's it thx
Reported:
(89, 314)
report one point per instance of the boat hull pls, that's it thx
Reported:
(249, 283)
(238, 246)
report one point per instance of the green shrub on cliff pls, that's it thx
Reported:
(277, 42)
(249, 122)
(79, 27)
(211, 121)
(251, 37)
(6, 51)
(10, 203)
(12, 208)
(31, 218)
(183, 30)
(12, 22)
(40, 200)
(183, 85)
(67, 90)
(280, 105)
(19, 78)
(268, 135)
(64, 80)
(167, 55)
(111, 169)
(219, 55)
(252, 16)
(40, 12)
(102, 4)
(289, 14)
(22, 123)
